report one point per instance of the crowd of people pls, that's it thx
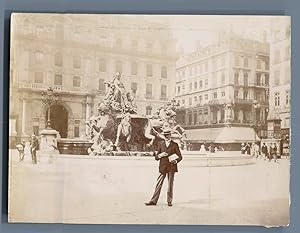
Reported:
(30, 146)
(255, 150)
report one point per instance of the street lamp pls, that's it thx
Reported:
(255, 106)
(49, 98)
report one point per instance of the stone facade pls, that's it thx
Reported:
(75, 55)
(225, 84)
(280, 74)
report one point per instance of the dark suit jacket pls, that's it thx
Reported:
(164, 165)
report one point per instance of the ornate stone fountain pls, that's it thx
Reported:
(118, 129)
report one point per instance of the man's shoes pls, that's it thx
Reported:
(150, 203)
(169, 204)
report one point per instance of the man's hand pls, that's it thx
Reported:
(174, 161)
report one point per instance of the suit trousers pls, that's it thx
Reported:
(159, 184)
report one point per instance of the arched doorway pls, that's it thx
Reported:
(59, 119)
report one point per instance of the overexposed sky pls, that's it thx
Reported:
(204, 30)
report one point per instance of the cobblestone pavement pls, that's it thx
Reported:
(113, 190)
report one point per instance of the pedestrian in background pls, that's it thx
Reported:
(243, 148)
(21, 149)
(248, 148)
(273, 152)
(264, 151)
(33, 148)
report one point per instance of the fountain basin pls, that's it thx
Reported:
(73, 146)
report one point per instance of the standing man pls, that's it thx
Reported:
(168, 155)
(33, 147)
(264, 151)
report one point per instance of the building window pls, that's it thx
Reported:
(102, 65)
(223, 93)
(190, 119)
(206, 82)
(277, 57)
(277, 99)
(76, 81)
(200, 99)
(119, 66)
(76, 62)
(163, 92)
(183, 88)
(134, 68)
(58, 80)
(58, 59)
(134, 88)
(206, 96)
(215, 95)
(287, 75)
(38, 77)
(148, 91)
(258, 64)
(258, 78)
(287, 97)
(236, 60)
(223, 78)
(245, 79)
(195, 118)
(39, 56)
(200, 84)
(149, 71)
(191, 86)
(190, 101)
(76, 128)
(246, 61)
(195, 99)
(101, 86)
(277, 77)
(195, 85)
(178, 90)
(206, 66)
(266, 79)
(183, 102)
(148, 110)
(267, 65)
(236, 93)
(245, 94)
(164, 73)
(236, 78)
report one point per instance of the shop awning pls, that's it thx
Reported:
(237, 134)
(201, 135)
(222, 135)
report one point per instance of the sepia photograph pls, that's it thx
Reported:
(149, 119)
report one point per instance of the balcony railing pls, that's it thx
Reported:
(42, 86)
(242, 101)
(217, 102)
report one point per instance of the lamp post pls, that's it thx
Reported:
(255, 106)
(49, 97)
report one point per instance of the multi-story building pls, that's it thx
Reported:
(280, 78)
(75, 55)
(223, 92)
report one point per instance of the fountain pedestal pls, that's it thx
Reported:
(48, 145)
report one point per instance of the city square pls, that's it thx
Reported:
(84, 189)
